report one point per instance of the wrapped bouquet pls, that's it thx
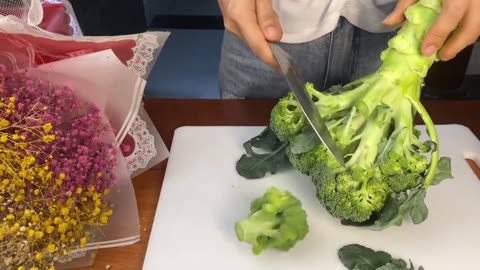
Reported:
(72, 135)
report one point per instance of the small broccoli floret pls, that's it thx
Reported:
(287, 119)
(277, 220)
(402, 173)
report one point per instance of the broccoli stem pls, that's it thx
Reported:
(329, 105)
(375, 129)
(432, 133)
(406, 66)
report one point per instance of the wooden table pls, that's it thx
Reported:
(167, 115)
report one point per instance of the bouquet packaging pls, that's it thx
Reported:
(73, 133)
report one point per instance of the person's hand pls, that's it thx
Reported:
(457, 27)
(255, 22)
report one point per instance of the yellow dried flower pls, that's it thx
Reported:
(50, 229)
(38, 234)
(4, 123)
(57, 220)
(83, 242)
(51, 248)
(96, 211)
(47, 127)
(104, 219)
(65, 211)
(63, 227)
(48, 138)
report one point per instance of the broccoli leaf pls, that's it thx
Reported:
(399, 205)
(444, 171)
(254, 165)
(305, 141)
(419, 212)
(266, 140)
(358, 257)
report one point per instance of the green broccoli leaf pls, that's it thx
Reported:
(266, 140)
(358, 257)
(419, 212)
(399, 206)
(254, 165)
(305, 141)
(444, 171)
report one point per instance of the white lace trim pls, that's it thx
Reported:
(144, 146)
(146, 45)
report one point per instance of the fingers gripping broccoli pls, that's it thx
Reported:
(277, 221)
(372, 120)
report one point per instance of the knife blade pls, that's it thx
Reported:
(311, 113)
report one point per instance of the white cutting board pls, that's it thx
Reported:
(203, 196)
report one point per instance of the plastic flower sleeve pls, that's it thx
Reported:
(101, 78)
(78, 83)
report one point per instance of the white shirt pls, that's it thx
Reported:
(306, 20)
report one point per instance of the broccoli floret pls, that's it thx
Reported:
(277, 220)
(287, 118)
(351, 195)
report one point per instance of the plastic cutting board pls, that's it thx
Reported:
(203, 196)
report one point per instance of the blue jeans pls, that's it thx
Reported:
(339, 57)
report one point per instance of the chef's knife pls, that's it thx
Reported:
(311, 113)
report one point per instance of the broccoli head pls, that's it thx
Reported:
(277, 220)
(372, 121)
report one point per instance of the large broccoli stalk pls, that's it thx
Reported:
(372, 120)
